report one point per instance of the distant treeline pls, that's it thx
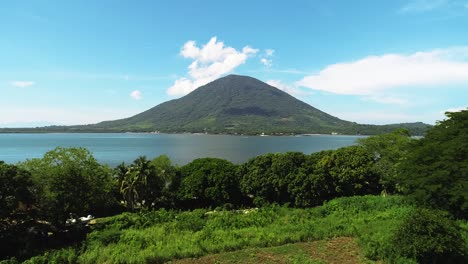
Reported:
(415, 129)
(431, 171)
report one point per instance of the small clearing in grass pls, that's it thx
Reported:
(342, 250)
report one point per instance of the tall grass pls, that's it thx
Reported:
(159, 236)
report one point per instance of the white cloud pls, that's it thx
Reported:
(372, 75)
(266, 58)
(269, 52)
(283, 71)
(22, 84)
(266, 62)
(455, 109)
(383, 99)
(290, 89)
(420, 6)
(136, 95)
(210, 62)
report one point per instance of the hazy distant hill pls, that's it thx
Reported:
(236, 105)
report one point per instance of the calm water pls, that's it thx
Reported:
(183, 148)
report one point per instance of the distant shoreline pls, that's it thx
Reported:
(182, 133)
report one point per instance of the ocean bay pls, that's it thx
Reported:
(114, 148)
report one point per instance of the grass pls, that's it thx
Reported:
(161, 236)
(343, 250)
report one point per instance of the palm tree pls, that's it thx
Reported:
(134, 181)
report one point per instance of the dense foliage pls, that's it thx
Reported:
(305, 180)
(159, 236)
(435, 171)
(388, 151)
(266, 178)
(141, 184)
(210, 182)
(17, 194)
(16, 187)
(70, 180)
(429, 236)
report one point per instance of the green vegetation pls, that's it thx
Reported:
(70, 180)
(16, 194)
(336, 250)
(435, 171)
(159, 236)
(388, 151)
(429, 236)
(234, 105)
(420, 218)
(210, 182)
(16, 187)
(140, 183)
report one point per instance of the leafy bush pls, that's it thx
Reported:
(428, 236)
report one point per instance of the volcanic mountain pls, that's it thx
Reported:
(238, 105)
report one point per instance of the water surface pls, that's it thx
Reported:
(115, 148)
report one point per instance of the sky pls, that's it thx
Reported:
(374, 62)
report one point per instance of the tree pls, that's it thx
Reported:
(388, 150)
(70, 181)
(16, 190)
(17, 198)
(210, 182)
(141, 184)
(267, 178)
(129, 186)
(435, 172)
(311, 186)
(350, 171)
(170, 178)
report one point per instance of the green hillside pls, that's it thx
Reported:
(240, 104)
(233, 105)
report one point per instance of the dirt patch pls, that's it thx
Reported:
(341, 250)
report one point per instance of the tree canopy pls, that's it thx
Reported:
(210, 181)
(16, 189)
(70, 181)
(142, 182)
(388, 151)
(435, 171)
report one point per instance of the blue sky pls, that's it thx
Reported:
(79, 62)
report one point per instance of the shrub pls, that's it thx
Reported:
(428, 236)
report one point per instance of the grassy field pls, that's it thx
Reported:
(325, 233)
(342, 250)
